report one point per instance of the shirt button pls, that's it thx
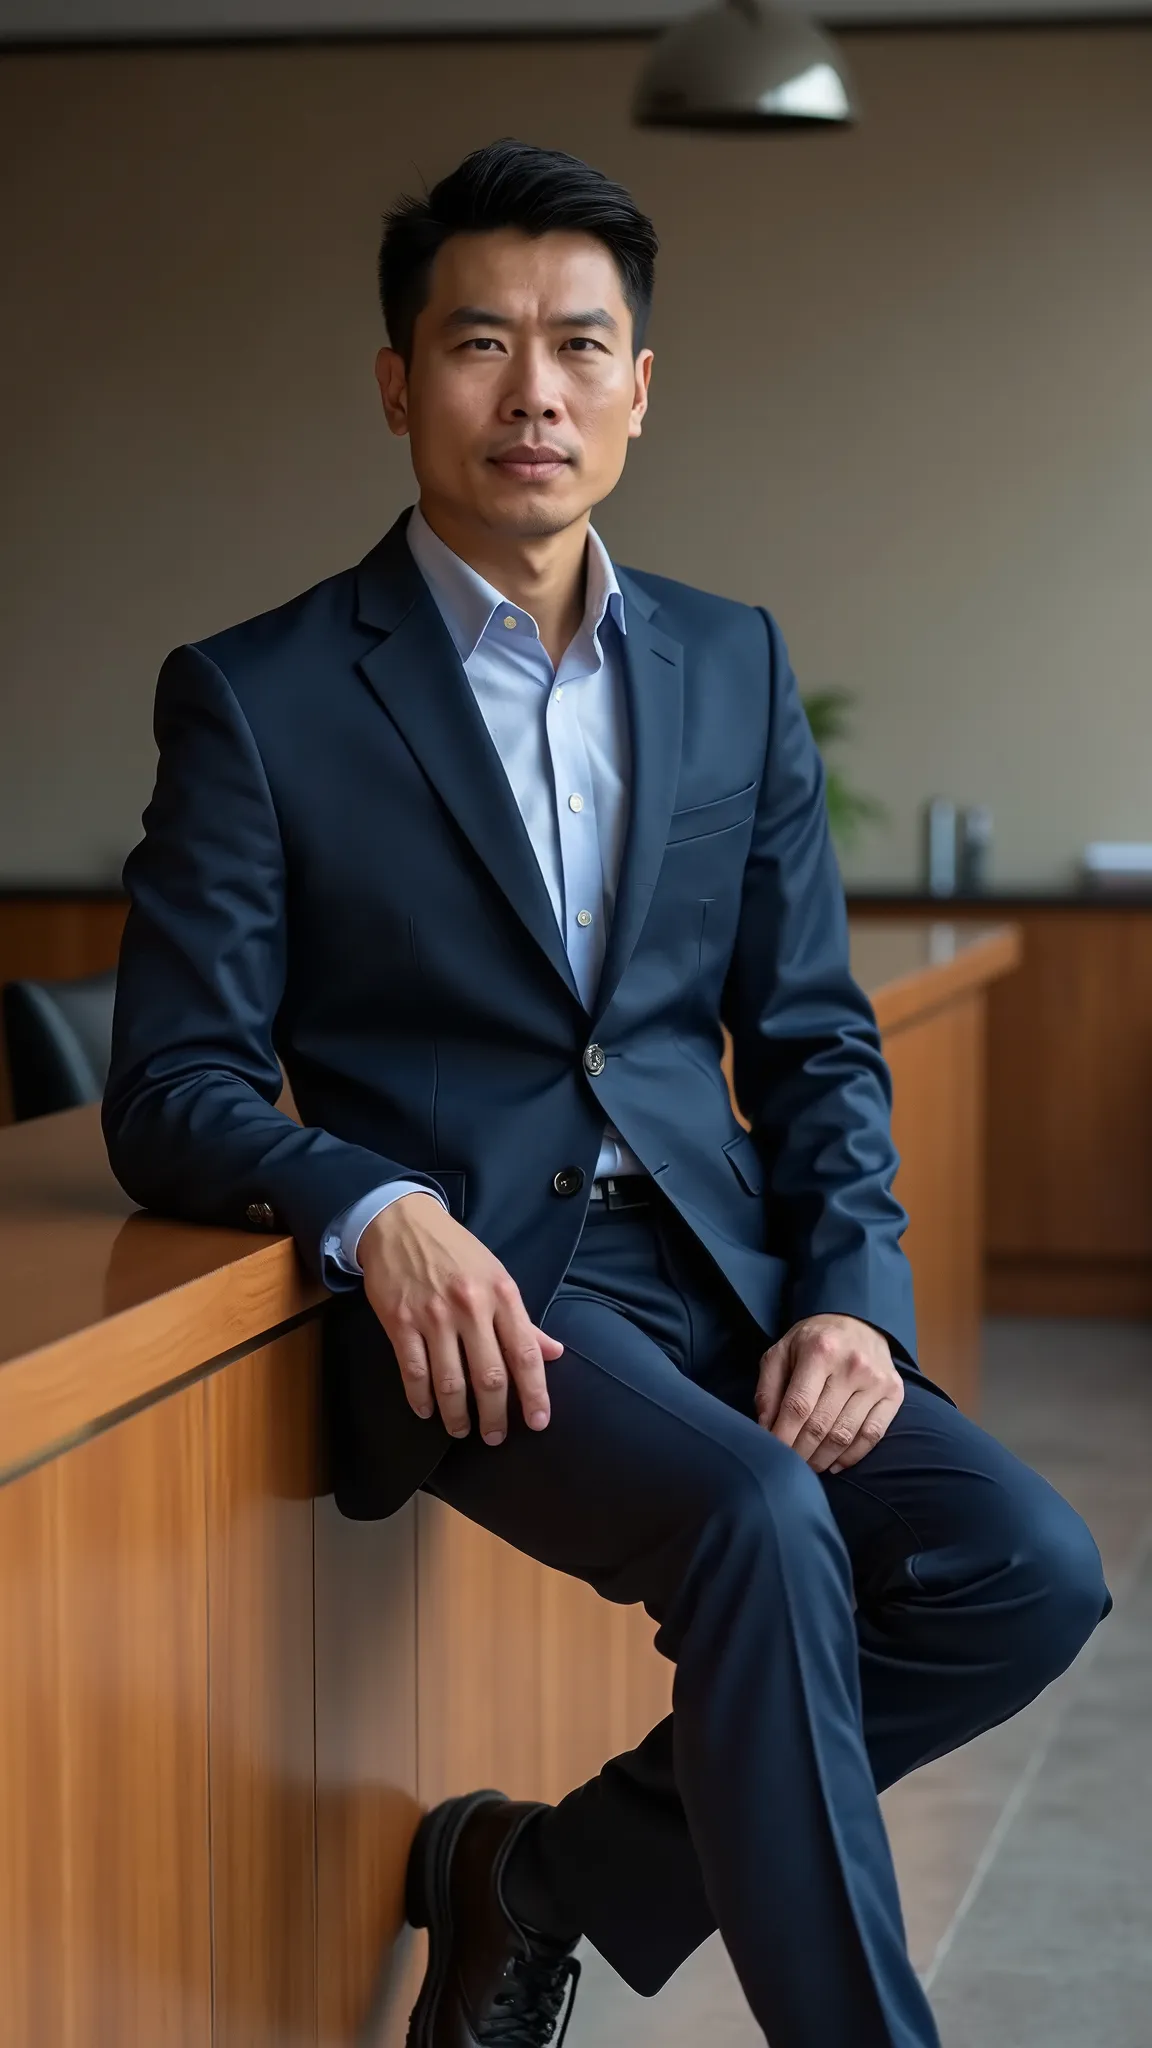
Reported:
(569, 1180)
(559, 692)
(575, 802)
(594, 1059)
(510, 623)
(583, 917)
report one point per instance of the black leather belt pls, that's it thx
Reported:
(623, 1191)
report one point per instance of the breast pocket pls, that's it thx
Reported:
(700, 821)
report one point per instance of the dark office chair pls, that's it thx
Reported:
(58, 1039)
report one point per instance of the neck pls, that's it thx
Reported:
(542, 573)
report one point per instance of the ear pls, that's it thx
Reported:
(640, 394)
(392, 377)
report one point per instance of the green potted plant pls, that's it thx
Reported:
(849, 810)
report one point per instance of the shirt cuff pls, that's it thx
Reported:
(343, 1234)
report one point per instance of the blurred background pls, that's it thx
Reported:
(901, 394)
(903, 397)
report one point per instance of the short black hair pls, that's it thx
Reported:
(512, 185)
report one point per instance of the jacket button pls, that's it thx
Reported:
(260, 1213)
(569, 1180)
(594, 1059)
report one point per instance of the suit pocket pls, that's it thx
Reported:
(725, 811)
(746, 1163)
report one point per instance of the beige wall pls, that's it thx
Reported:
(904, 395)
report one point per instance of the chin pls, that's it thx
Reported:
(532, 514)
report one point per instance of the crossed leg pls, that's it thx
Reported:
(828, 1636)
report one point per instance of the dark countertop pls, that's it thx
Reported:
(61, 892)
(1029, 896)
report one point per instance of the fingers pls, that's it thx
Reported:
(522, 1346)
(874, 1426)
(465, 1339)
(842, 1390)
(841, 1431)
(446, 1365)
(412, 1358)
(486, 1368)
(774, 1369)
(800, 1404)
(456, 1321)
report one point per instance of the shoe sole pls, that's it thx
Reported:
(428, 1901)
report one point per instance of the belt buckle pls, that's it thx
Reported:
(617, 1197)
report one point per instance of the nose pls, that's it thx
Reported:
(532, 388)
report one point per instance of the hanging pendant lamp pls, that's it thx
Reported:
(745, 64)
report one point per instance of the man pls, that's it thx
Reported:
(483, 840)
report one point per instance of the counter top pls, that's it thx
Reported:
(103, 1306)
(909, 968)
(996, 901)
(62, 892)
(1067, 895)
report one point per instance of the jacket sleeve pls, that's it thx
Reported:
(808, 1070)
(188, 1113)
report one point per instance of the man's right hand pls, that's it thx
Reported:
(452, 1314)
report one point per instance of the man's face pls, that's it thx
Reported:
(523, 392)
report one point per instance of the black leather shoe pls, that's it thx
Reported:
(490, 1982)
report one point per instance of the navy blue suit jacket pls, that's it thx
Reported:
(334, 876)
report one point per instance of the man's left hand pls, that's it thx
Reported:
(828, 1388)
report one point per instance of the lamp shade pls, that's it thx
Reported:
(745, 64)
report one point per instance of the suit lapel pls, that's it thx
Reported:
(654, 685)
(419, 679)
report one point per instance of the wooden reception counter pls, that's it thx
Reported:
(222, 1706)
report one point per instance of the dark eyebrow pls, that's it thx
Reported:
(479, 316)
(598, 317)
(475, 316)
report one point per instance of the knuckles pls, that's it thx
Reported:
(796, 1406)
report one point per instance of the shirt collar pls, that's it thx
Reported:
(466, 601)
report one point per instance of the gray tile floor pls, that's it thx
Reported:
(1025, 1860)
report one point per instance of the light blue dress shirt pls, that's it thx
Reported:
(562, 735)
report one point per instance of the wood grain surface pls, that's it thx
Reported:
(103, 1306)
(105, 1929)
(1068, 1130)
(937, 1066)
(367, 1799)
(910, 969)
(261, 1431)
